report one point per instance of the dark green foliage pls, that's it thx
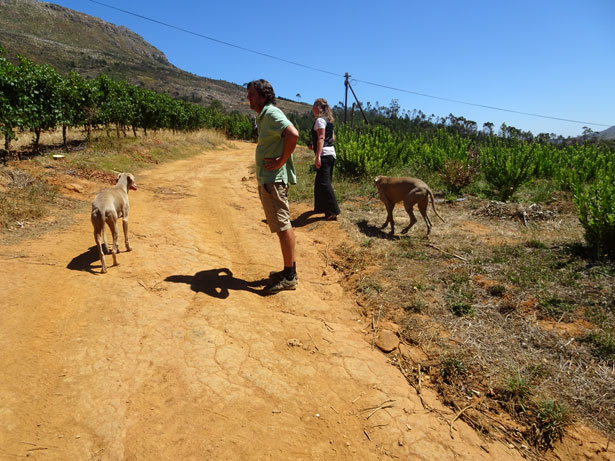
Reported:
(551, 419)
(497, 290)
(603, 344)
(507, 167)
(37, 98)
(452, 368)
(517, 392)
(556, 308)
(596, 208)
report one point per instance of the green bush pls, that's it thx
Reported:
(507, 167)
(596, 209)
(551, 418)
(602, 343)
(452, 367)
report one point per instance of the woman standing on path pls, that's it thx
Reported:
(322, 144)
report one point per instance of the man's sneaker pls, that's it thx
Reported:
(277, 275)
(280, 285)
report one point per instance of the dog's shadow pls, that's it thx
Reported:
(373, 231)
(84, 261)
(218, 283)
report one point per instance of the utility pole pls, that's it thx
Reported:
(348, 85)
(346, 96)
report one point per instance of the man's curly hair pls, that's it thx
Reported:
(264, 88)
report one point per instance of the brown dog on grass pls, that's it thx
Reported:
(411, 191)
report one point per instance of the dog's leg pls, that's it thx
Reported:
(412, 197)
(389, 205)
(413, 219)
(112, 222)
(101, 255)
(104, 237)
(125, 226)
(422, 205)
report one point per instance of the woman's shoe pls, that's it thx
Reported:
(331, 217)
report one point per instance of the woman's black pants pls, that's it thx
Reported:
(324, 196)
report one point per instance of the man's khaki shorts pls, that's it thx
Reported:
(274, 197)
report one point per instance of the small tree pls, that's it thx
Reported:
(506, 168)
(596, 209)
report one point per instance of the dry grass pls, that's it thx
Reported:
(23, 197)
(27, 182)
(502, 303)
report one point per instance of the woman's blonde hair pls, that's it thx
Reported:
(323, 109)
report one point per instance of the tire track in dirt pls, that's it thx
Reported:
(175, 355)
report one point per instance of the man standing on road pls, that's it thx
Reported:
(275, 171)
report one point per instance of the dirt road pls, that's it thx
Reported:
(174, 354)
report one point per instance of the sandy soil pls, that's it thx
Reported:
(174, 354)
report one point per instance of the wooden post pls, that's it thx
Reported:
(357, 99)
(346, 96)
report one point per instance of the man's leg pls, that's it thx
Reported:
(287, 242)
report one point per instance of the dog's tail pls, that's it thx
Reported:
(433, 205)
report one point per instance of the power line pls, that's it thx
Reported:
(181, 29)
(215, 39)
(478, 105)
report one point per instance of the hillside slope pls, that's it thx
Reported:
(73, 41)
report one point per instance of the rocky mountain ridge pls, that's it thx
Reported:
(72, 41)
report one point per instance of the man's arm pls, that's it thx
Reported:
(291, 136)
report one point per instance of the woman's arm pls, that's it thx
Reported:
(320, 143)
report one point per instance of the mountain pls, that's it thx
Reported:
(609, 133)
(71, 41)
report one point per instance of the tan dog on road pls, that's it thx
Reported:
(108, 206)
(411, 191)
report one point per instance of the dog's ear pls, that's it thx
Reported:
(131, 182)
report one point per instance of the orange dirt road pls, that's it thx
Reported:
(174, 354)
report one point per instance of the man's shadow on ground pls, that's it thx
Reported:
(218, 283)
(84, 261)
(307, 218)
(304, 219)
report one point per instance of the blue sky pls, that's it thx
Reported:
(554, 58)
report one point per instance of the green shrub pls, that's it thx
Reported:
(517, 391)
(507, 167)
(463, 309)
(459, 174)
(596, 209)
(551, 419)
(497, 290)
(602, 344)
(452, 367)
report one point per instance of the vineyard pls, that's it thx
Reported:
(36, 98)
